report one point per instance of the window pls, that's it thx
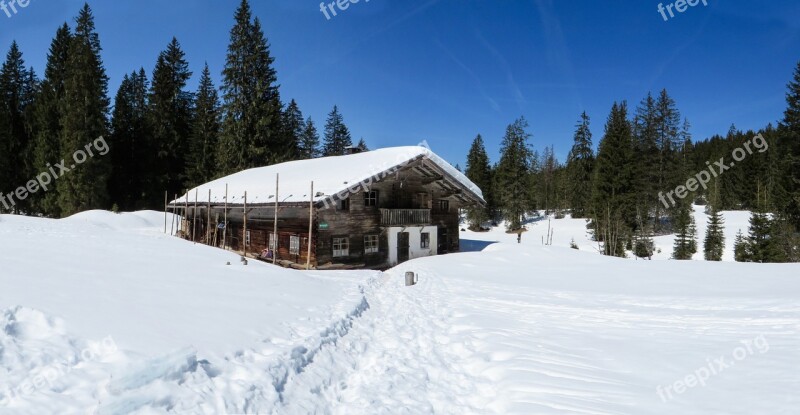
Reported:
(370, 244)
(341, 247)
(371, 198)
(344, 204)
(442, 205)
(247, 238)
(425, 240)
(272, 241)
(294, 245)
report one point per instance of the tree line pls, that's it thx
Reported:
(162, 137)
(618, 188)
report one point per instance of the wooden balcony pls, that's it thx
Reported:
(403, 217)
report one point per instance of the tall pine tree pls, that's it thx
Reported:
(202, 164)
(130, 143)
(85, 110)
(479, 171)
(513, 174)
(309, 141)
(613, 192)
(252, 131)
(714, 244)
(580, 165)
(293, 126)
(337, 136)
(47, 119)
(170, 117)
(17, 87)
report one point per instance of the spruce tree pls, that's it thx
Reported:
(47, 119)
(513, 174)
(685, 236)
(790, 148)
(85, 110)
(714, 244)
(479, 171)
(613, 192)
(741, 248)
(252, 131)
(17, 86)
(131, 143)
(309, 141)
(761, 243)
(202, 164)
(170, 120)
(293, 126)
(337, 136)
(580, 165)
(362, 145)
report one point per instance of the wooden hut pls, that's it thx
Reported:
(368, 210)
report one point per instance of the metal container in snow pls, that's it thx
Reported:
(411, 279)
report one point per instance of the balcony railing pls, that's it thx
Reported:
(392, 217)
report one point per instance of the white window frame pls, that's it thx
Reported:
(294, 245)
(341, 246)
(425, 244)
(371, 244)
(272, 239)
(247, 238)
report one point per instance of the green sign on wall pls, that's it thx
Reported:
(323, 225)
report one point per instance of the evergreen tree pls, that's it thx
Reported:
(337, 136)
(580, 165)
(685, 238)
(293, 125)
(17, 87)
(47, 119)
(613, 192)
(130, 143)
(85, 110)
(309, 141)
(202, 165)
(790, 148)
(479, 171)
(761, 244)
(513, 174)
(362, 145)
(714, 244)
(252, 133)
(741, 249)
(170, 119)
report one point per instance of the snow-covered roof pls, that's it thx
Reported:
(331, 175)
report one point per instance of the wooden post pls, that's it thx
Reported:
(166, 202)
(275, 225)
(172, 222)
(310, 225)
(225, 220)
(194, 216)
(186, 212)
(208, 219)
(244, 227)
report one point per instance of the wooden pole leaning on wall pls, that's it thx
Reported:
(194, 217)
(310, 225)
(225, 221)
(275, 225)
(208, 219)
(172, 222)
(186, 214)
(166, 202)
(244, 227)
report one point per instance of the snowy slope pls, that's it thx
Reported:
(568, 229)
(105, 314)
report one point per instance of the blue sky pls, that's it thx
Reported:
(446, 70)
